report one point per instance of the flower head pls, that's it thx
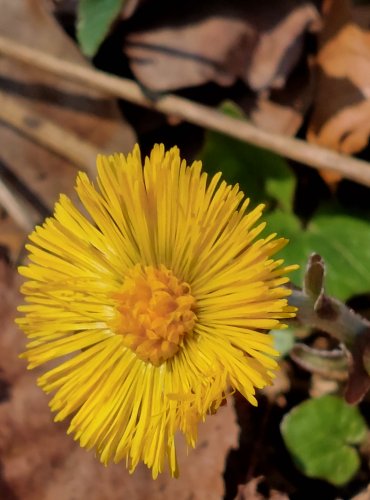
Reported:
(156, 299)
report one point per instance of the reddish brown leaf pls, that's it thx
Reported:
(341, 116)
(359, 379)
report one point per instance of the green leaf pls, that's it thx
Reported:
(342, 240)
(95, 18)
(262, 175)
(319, 434)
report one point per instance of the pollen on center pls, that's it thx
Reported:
(156, 313)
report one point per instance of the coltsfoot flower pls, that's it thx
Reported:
(156, 300)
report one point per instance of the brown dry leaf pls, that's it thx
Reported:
(192, 45)
(223, 42)
(88, 113)
(39, 461)
(364, 495)
(361, 14)
(282, 110)
(341, 115)
(281, 385)
(219, 43)
(320, 386)
(129, 7)
(249, 491)
(12, 237)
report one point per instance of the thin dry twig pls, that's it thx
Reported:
(295, 149)
(47, 133)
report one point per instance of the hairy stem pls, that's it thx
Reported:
(329, 315)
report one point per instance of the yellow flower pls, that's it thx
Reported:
(156, 296)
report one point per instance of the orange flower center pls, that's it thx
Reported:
(156, 313)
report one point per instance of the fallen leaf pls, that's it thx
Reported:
(167, 58)
(280, 386)
(363, 495)
(12, 237)
(249, 491)
(190, 46)
(86, 112)
(281, 110)
(321, 386)
(341, 112)
(40, 461)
